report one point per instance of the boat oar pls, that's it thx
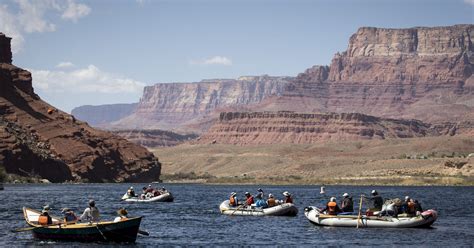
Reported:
(359, 215)
(237, 209)
(145, 233)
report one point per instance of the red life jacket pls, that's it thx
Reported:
(288, 200)
(250, 200)
(332, 208)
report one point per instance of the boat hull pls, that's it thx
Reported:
(286, 209)
(122, 231)
(166, 197)
(426, 219)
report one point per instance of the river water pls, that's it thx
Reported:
(194, 217)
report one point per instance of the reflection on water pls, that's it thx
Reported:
(194, 217)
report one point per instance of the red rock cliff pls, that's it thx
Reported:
(38, 140)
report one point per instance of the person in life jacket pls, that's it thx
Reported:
(260, 203)
(233, 201)
(271, 201)
(69, 216)
(331, 207)
(91, 214)
(375, 201)
(131, 192)
(347, 205)
(249, 200)
(122, 215)
(288, 198)
(44, 218)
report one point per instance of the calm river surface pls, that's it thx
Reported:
(194, 217)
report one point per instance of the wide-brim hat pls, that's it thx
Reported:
(247, 193)
(122, 211)
(233, 193)
(46, 208)
(286, 193)
(345, 195)
(270, 195)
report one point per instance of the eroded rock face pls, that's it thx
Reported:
(38, 140)
(169, 105)
(250, 128)
(154, 138)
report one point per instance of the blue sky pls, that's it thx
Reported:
(106, 51)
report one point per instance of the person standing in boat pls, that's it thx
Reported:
(260, 203)
(271, 201)
(288, 198)
(331, 207)
(44, 218)
(249, 200)
(347, 205)
(375, 201)
(91, 214)
(233, 201)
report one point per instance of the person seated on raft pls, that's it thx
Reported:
(249, 200)
(375, 201)
(91, 213)
(69, 216)
(233, 201)
(44, 218)
(122, 215)
(288, 198)
(410, 207)
(347, 205)
(131, 192)
(260, 203)
(331, 207)
(271, 201)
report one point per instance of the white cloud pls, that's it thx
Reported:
(31, 16)
(63, 65)
(75, 11)
(471, 2)
(216, 60)
(86, 80)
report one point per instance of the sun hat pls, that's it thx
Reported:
(270, 195)
(91, 203)
(345, 195)
(374, 191)
(247, 193)
(46, 208)
(233, 193)
(122, 211)
(333, 199)
(286, 193)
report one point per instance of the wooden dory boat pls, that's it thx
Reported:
(314, 215)
(122, 231)
(285, 209)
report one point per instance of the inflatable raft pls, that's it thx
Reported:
(285, 209)
(165, 197)
(426, 219)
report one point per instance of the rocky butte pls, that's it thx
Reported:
(39, 140)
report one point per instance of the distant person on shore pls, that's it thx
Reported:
(233, 200)
(44, 218)
(271, 201)
(375, 201)
(122, 215)
(288, 198)
(69, 215)
(91, 214)
(260, 203)
(249, 200)
(331, 207)
(347, 205)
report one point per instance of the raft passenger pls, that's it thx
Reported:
(347, 205)
(122, 215)
(288, 198)
(249, 200)
(260, 203)
(69, 215)
(271, 202)
(131, 192)
(233, 201)
(91, 214)
(331, 207)
(375, 201)
(44, 218)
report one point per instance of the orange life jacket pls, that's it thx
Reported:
(271, 202)
(332, 208)
(43, 220)
(232, 201)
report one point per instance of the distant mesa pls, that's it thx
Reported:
(39, 141)
(422, 73)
